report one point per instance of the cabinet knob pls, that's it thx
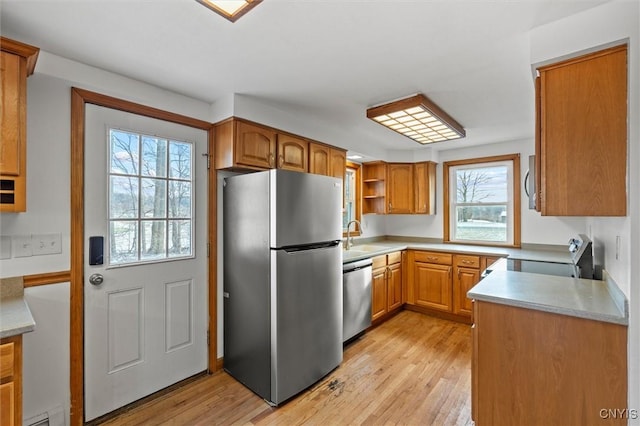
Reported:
(280, 161)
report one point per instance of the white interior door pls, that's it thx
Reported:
(146, 195)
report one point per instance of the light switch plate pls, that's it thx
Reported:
(21, 245)
(42, 244)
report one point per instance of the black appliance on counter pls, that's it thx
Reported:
(581, 265)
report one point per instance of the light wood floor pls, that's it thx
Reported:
(413, 369)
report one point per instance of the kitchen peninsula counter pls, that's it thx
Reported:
(576, 297)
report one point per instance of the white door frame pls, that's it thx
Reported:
(79, 98)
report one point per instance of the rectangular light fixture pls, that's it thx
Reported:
(230, 9)
(418, 118)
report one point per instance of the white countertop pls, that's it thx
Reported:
(591, 299)
(15, 317)
(543, 254)
(577, 297)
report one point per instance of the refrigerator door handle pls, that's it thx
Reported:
(328, 244)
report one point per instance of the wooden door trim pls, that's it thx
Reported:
(79, 99)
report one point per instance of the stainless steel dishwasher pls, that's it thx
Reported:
(356, 282)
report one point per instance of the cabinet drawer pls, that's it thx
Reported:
(433, 257)
(379, 261)
(467, 261)
(394, 258)
(6, 360)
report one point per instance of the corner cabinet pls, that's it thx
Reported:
(399, 188)
(581, 135)
(17, 62)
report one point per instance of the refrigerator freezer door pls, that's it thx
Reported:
(305, 208)
(306, 318)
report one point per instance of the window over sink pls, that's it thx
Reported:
(482, 201)
(352, 189)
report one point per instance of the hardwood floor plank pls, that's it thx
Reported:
(412, 369)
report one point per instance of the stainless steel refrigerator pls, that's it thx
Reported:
(282, 280)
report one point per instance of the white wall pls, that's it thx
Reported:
(46, 350)
(46, 353)
(611, 22)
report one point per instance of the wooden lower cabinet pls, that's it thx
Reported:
(438, 282)
(11, 381)
(466, 274)
(537, 368)
(387, 286)
(432, 284)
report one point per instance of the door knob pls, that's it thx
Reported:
(96, 279)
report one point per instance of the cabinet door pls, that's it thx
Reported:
(583, 121)
(400, 192)
(465, 278)
(292, 153)
(7, 404)
(12, 113)
(379, 293)
(432, 285)
(394, 284)
(255, 146)
(338, 163)
(319, 158)
(425, 187)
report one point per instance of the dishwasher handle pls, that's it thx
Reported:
(354, 266)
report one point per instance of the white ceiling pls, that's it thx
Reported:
(328, 59)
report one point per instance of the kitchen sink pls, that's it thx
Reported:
(364, 249)
(368, 248)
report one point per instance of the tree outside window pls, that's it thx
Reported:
(150, 198)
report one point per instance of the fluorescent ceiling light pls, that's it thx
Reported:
(418, 118)
(230, 9)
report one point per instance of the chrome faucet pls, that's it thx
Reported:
(349, 237)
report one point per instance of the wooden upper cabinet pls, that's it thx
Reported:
(292, 153)
(425, 187)
(582, 125)
(399, 188)
(255, 146)
(319, 159)
(244, 145)
(17, 61)
(326, 160)
(338, 163)
(400, 192)
(374, 190)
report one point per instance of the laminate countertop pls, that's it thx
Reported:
(577, 297)
(542, 253)
(583, 298)
(15, 316)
